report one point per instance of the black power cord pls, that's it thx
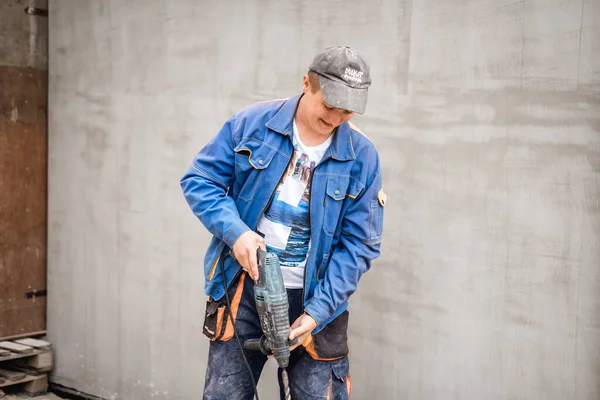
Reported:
(235, 330)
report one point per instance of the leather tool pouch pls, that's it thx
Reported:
(331, 343)
(217, 322)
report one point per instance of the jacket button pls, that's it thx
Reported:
(337, 192)
(261, 162)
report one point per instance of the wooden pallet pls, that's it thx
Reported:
(24, 365)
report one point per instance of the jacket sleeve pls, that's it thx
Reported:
(359, 244)
(206, 183)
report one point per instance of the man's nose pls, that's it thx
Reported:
(336, 117)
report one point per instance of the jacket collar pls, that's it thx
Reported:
(341, 148)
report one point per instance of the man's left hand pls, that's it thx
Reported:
(301, 328)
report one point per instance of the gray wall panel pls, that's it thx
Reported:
(487, 118)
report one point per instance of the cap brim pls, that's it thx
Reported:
(338, 95)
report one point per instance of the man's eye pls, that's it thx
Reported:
(327, 107)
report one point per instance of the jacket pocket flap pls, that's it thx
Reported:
(337, 187)
(259, 154)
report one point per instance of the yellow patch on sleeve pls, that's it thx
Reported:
(382, 197)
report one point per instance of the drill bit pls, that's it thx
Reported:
(286, 384)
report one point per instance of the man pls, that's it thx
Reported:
(292, 177)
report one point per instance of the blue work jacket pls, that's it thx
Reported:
(233, 178)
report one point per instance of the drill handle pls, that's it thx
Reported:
(253, 344)
(262, 256)
(263, 345)
(262, 261)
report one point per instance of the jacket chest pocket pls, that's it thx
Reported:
(340, 190)
(252, 158)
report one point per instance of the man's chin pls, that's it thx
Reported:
(326, 129)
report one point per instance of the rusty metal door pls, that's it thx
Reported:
(23, 200)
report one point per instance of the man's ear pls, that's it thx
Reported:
(305, 84)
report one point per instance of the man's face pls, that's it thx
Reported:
(321, 117)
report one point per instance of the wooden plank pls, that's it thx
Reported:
(23, 200)
(11, 376)
(26, 369)
(35, 343)
(14, 356)
(16, 348)
(24, 335)
(28, 378)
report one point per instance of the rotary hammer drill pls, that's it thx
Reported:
(271, 300)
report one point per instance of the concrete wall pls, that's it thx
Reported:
(487, 117)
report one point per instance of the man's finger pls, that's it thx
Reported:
(254, 274)
(292, 348)
(241, 259)
(299, 331)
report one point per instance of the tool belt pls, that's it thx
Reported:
(331, 343)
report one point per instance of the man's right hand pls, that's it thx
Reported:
(244, 251)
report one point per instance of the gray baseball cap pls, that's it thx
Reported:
(344, 76)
